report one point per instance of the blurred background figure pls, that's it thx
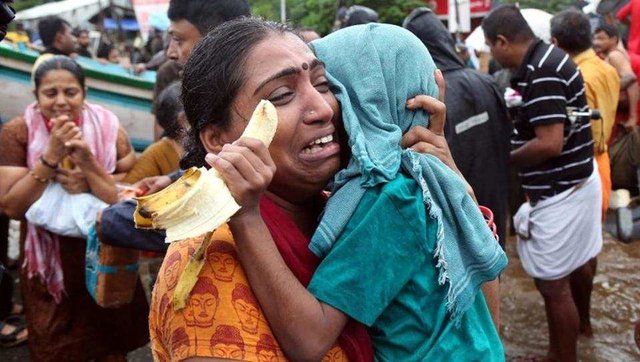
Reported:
(358, 14)
(571, 32)
(163, 156)
(19, 37)
(606, 41)
(627, 14)
(62, 139)
(109, 54)
(13, 330)
(83, 43)
(478, 128)
(56, 36)
(463, 53)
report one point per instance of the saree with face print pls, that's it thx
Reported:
(222, 318)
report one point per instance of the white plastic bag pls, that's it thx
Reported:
(63, 213)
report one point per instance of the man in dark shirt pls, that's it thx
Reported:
(559, 231)
(477, 128)
(56, 36)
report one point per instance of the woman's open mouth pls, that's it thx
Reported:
(320, 148)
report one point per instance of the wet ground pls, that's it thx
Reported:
(615, 307)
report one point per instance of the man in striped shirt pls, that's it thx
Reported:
(559, 231)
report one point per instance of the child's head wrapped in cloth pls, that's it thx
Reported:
(379, 68)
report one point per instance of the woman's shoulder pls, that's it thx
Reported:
(160, 147)
(16, 126)
(221, 308)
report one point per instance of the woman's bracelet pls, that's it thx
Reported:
(38, 178)
(46, 163)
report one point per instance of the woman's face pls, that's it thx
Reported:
(60, 94)
(305, 150)
(114, 56)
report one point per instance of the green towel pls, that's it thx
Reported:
(373, 70)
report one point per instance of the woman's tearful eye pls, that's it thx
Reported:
(322, 86)
(281, 96)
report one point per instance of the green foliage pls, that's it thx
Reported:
(550, 6)
(268, 9)
(320, 14)
(316, 14)
(25, 4)
(391, 11)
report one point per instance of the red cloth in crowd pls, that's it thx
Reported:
(632, 10)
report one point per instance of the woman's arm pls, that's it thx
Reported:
(19, 189)
(305, 327)
(491, 292)
(126, 156)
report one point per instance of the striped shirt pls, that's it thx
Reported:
(551, 87)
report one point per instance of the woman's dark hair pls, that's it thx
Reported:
(167, 108)
(58, 62)
(104, 50)
(213, 75)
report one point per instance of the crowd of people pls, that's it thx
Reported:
(109, 47)
(374, 225)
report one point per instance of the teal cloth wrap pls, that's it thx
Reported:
(374, 69)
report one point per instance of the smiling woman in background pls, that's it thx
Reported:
(61, 138)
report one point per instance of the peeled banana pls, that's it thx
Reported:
(200, 201)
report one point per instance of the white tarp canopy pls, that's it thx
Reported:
(76, 12)
(539, 21)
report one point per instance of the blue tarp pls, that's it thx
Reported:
(127, 24)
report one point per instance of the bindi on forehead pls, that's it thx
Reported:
(305, 66)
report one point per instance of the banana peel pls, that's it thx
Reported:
(189, 276)
(198, 203)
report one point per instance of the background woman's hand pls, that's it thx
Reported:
(151, 185)
(247, 168)
(80, 153)
(73, 181)
(63, 130)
